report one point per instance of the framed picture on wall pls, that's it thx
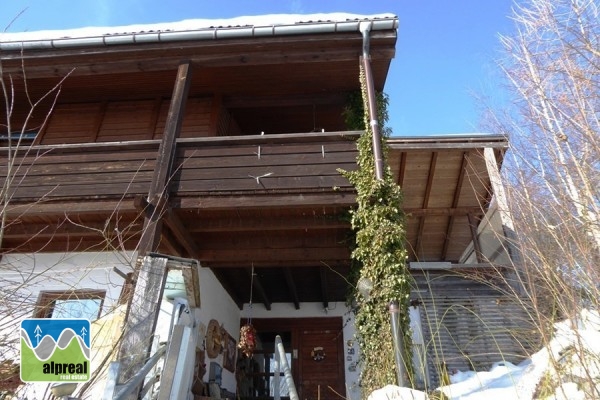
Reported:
(229, 353)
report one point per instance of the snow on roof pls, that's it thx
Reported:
(190, 25)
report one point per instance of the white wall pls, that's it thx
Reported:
(215, 303)
(316, 310)
(23, 276)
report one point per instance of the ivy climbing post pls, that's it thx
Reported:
(379, 256)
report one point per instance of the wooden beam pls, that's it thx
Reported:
(181, 233)
(260, 290)
(475, 239)
(225, 256)
(342, 263)
(291, 287)
(260, 223)
(428, 187)
(455, 200)
(247, 201)
(508, 227)
(493, 170)
(162, 172)
(438, 212)
(324, 287)
(402, 170)
(69, 207)
(21, 230)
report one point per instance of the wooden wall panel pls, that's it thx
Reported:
(126, 120)
(72, 123)
(196, 122)
(262, 168)
(467, 324)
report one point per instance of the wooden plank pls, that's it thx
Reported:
(303, 253)
(289, 280)
(455, 200)
(249, 201)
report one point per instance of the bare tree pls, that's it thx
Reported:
(553, 168)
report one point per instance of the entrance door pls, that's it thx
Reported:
(321, 363)
(316, 350)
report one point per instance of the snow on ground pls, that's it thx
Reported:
(505, 381)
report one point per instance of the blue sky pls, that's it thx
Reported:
(445, 52)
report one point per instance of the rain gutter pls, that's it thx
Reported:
(212, 33)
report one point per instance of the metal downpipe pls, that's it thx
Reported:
(398, 339)
(365, 60)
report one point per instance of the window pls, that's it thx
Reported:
(84, 303)
(26, 137)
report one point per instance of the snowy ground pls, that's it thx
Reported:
(505, 381)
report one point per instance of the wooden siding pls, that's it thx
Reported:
(203, 167)
(118, 121)
(263, 167)
(468, 324)
(91, 171)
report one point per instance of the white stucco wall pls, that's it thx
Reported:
(23, 276)
(215, 303)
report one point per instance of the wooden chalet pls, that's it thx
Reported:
(222, 145)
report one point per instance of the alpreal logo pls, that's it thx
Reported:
(55, 350)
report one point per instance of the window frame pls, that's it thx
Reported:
(47, 299)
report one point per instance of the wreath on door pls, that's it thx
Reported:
(318, 354)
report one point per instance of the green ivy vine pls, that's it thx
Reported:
(379, 252)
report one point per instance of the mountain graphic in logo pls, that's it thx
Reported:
(55, 350)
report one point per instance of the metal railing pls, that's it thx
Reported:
(281, 362)
(114, 391)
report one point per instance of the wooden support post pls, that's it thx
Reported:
(166, 154)
(475, 238)
(508, 227)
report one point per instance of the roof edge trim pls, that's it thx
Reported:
(212, 33)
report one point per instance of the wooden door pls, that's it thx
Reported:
(317, 373)
(321, 362)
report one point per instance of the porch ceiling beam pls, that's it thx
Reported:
(19, 230)
(428, 187)
(218, 264)
(260, 290)
(493, 170)
(259, 255)
(265, 201)
(402, 170)
(291, 287)
(263, 223)
(446, 144)
(458, 211)
(72, 207)
(475, 239)
(324, 290)
(455, 200)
